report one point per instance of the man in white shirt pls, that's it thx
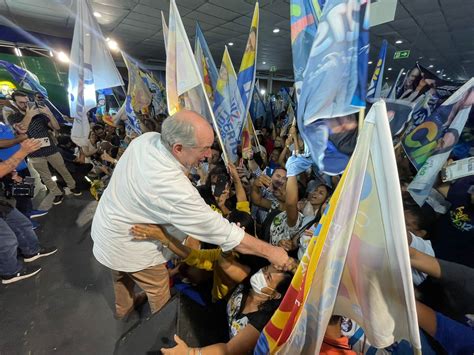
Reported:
(149, 185)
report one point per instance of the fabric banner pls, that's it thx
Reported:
(257, 106)
(248, 65)
(182, 73)
(375, 86)
(228, 107)
(157, 92)
(247, 135)
(429, 145)
(332, 77)
(24, 78)
(336, 57)
(399, 115)
(357, 263)
(207, 66)
(91, 68)
(137, 89)
(304, 21)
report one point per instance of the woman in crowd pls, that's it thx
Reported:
(249, 309)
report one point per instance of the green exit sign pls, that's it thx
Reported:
(401, 54)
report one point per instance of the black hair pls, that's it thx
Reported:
(271, 305)
(335, 320)
(425, 217)
(246, 221)
(98, 126)
(18, 93)
(217, 170)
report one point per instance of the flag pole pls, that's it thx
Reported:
(361, 118)
(218, 133)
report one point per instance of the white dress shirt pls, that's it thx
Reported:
(149, 186)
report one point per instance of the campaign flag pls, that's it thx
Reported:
(228, 107)
(140, 95)
(393, 88)
(357, 264)
(24, 78)
(399, 115)
(257, 105)
(304, 22)
(429, 145)
(207, 66)
(334, 73)
(289, 120)
(375, 87)
(248, 66)
(184, 88)
(247, 135)
(335, 77)
(157, 91)
(91, 68)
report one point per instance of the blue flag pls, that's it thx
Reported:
(25, 79)
(334, 83)
(305, 15)
(205, 63)
(375, 87)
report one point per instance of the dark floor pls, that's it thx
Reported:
(67, 307)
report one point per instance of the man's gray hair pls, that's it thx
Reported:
(177, 131)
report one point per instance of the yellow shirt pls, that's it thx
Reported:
(207, 260)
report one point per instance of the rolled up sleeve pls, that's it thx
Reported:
(194, 217)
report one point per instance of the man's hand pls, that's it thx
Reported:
(22, 136)
(45, 110)
(263, 181)
(233, 172)
(30, 145)
(180, 348)
(280, 259)
(31, 112)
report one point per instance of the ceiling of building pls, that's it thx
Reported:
(437, 32)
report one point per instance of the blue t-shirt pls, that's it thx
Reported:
(7, 133)
(456, 338)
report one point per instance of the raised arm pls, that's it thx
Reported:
(28, 146)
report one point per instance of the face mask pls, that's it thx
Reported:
(308, 209)
(258, 282)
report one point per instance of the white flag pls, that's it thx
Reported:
(182, 73)
(91, 68)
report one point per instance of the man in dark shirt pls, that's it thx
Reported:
(36, 122)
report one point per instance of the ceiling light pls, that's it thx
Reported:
(262, 91)
(97, 14)
(449, 78)
(399, 41)
(276, 30)
(112, 45)
(438, 71)
(389, 69)
(444, 75)
(404, 73)
(370, 62)
(18, 52)
(230, 43)
(431, 66)
(62, 57)
(420, 57)
(264, 63)
(386, 78)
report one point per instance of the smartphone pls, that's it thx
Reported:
(269, 171)
(44, 142)
(221, 185)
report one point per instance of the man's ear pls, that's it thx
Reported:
(177, 148)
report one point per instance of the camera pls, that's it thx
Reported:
(22, 189)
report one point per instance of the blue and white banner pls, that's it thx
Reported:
(375, 87)
(24, 78)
